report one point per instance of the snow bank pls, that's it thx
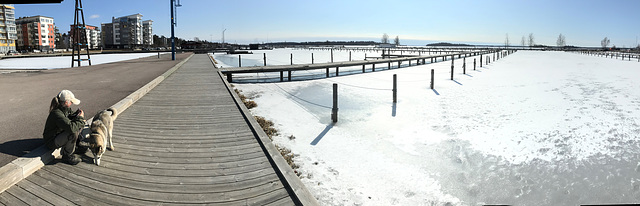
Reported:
(65, 61)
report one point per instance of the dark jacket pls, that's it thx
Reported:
(58, 122)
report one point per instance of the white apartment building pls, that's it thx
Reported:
(124, 32)
(93, 36)
(147, 33)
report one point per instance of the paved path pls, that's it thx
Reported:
(26, 96)
(184, 142)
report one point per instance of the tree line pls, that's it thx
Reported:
(560, 42)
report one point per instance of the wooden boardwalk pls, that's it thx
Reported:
(185, 142)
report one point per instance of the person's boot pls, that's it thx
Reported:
(71, 159)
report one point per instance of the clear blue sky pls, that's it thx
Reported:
(582, 22)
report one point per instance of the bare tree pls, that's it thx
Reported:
(522, 42)
(385, 38)
(506, 41)
(561, 41)
(531, 40)
(605, 42)
(396, 41)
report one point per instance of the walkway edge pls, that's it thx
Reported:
(26, 165)
(301, 193)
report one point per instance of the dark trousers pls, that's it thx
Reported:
(66, 141)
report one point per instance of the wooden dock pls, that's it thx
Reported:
(298, 67)
(188, 141)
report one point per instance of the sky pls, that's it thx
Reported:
(415, 22)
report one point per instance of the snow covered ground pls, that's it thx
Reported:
(65, 61)
(533, 128)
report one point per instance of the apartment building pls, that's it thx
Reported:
(35, 33)
(124, 32)
(93, 36)
(8, 29)
(147, 33)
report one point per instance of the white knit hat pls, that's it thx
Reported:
(66, 95)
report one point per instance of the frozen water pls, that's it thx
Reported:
(534, 128)
(57, 62)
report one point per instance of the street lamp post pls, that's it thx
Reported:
(173, 45)
(223, 37)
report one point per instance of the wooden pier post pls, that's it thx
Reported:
(289, 77)
(265, 58)
(327, 72)
(331, 55)
(395, 88)
(363, 68)
(239, 60)
(337, 71)
(464, 65)
(474, 64)
(312, 58)
(452, 69)
(431, 78)
(282, 76)
(334, 110)
(291, 58)
(481, 60)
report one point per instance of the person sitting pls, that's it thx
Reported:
(63, 127)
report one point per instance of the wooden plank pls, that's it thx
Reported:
(211, 179)
(152, 148)
(208, 165)
(10, 200)
(181, 143)
(159, 195)
(25, 196)
(191, 154)
(199, 187)
(283, 201)
(172, 135)
(184, 172)
(63, 192)
(269, 198)
(75, 185)
(42, 193)
(153, 159)
(146, 133)
(10, 174)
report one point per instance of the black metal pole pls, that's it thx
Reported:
(173, 44)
